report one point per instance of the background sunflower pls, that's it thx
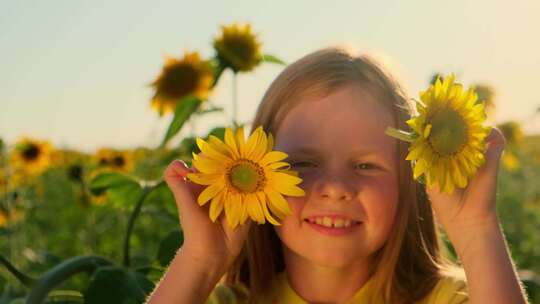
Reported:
(238, 48)
(30, 156)
(179, 78)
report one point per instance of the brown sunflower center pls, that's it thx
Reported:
(246, 176)
(118, 161)
(179, 80)
(30, 152)
(448, 133)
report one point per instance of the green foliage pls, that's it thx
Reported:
(169, 246)
(116, 285)
(184, 109)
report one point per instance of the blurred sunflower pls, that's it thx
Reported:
(8, 217)
(180, 78)
(31, 156)
(3, 183)
(238, 48)
(512, 132)
(448, 139)
(246, 178)
(510, 161)
(3, 218)
(486, 94)
(115, 160)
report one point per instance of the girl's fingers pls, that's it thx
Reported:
(175, 177)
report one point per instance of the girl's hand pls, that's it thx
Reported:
(213, 244)
(466, 209)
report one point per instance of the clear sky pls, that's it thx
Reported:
(77, 72)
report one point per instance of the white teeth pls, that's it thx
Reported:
(336, 223)
(327, 222)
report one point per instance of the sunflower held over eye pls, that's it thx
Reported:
(238, 48)
(245, 178)
(448, 138)
(31, 156)
(179, 78)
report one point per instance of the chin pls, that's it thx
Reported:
(333, 256)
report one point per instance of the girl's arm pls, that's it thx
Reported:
(469, 217)
(188, 279)
(208, 250)
(491, 275)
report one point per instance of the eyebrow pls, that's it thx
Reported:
(314, 151)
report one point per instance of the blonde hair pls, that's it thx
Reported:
(413, 259)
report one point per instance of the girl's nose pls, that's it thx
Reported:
(334, 188)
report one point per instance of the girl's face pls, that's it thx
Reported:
(348, 165)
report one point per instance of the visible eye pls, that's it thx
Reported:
(366, 166)
(302, 164)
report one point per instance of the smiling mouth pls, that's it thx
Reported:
(328, 222)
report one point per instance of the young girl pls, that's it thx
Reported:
(365, 232)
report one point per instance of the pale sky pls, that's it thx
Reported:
(76, 72)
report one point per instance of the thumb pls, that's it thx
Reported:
(495, 145)
(175, 177)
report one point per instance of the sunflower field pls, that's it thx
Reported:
(73, 224)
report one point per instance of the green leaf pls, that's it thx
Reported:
(187, 146)
(218, 132)
(218, 70)
(61, 272)
(272, 59)
(186, 106)
(169, 246)
(116, 285)
(121, 189)
(104, 181)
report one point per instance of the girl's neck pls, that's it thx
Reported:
(323, 284)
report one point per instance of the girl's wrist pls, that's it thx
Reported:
(469, 237)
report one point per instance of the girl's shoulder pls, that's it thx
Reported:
(451, 289)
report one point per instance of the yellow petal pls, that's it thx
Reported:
(254, 208)
(233, 205)
(209, 192)
(203, 178)
(207, 165)
(278, 202)
(273, 156)
(252, 142)
(266, 212)
(231, 142)
(210, 152)
(216, 206)
(260, 148)
(240, 141)
(279, 179)
(278, 165)
(270, 145)
(221, 146)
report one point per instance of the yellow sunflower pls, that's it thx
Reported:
(246, 178)
(238, 48)
(180, 78)
(115, 160)
(31, 156)
(448, 142)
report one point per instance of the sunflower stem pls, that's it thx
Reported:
(399, 134)
(23, 278)
(234, 100)
(131, 223)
